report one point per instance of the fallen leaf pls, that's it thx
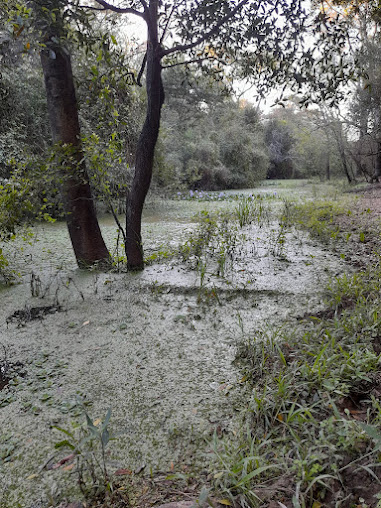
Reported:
(317, 504)
(218, 475)
(172, 466)
(32, 476)
(63, 461)
(85, 323)
(69, 467)
(97, 422)
(280, 417)
(122, 472)
(226, 502)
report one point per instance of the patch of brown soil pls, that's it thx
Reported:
(357, 488)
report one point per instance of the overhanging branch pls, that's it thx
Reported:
(196, 60)
(174, 7)
(120, 10)
(207, 35)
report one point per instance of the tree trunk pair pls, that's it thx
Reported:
(84, 231)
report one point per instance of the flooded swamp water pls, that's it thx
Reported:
(156, 347)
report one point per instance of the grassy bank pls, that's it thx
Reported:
(312, 433)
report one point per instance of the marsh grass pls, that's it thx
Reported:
(212, 246)
(313, 421)
(252, 209)
(318, 217)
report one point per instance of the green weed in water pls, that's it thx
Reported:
(87, 443)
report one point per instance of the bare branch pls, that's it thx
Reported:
(120, 227)
(120, 10)
(196, 60)
(99, 9)
(207, 35)
(138, 81)
(168, 21)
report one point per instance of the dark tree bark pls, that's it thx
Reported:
(82, 222)
(377, 165)
(146, 144)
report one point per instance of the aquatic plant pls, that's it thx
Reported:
(87, 443)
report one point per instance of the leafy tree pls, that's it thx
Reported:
(82, 222)
(364, 112)
(280, 142)
(208, 140)
(212, 34)
(314, 149)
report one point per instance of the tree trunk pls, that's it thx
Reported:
(327, 167)
(377, 165)
(82, 222)
(146, 146)
(345, 167)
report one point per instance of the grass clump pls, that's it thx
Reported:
(319, 217)
(252, 209)
(312, 430)
(214, 243)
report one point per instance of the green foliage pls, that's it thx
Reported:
(301, 143)
(280, 142)
(318, 217)
(217, 143)
(24, 130)
(301, 423)
(213, 245)
(15, 206)
(88, 442)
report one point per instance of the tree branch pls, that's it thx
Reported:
(120, 10)
(196, 60)
(207, 35)
(99, 9)
(117, 220)
(168, 21)
(138, 81)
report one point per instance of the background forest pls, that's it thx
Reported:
(210, 138)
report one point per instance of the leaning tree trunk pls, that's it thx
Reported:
(82, 222)
(145, 148)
